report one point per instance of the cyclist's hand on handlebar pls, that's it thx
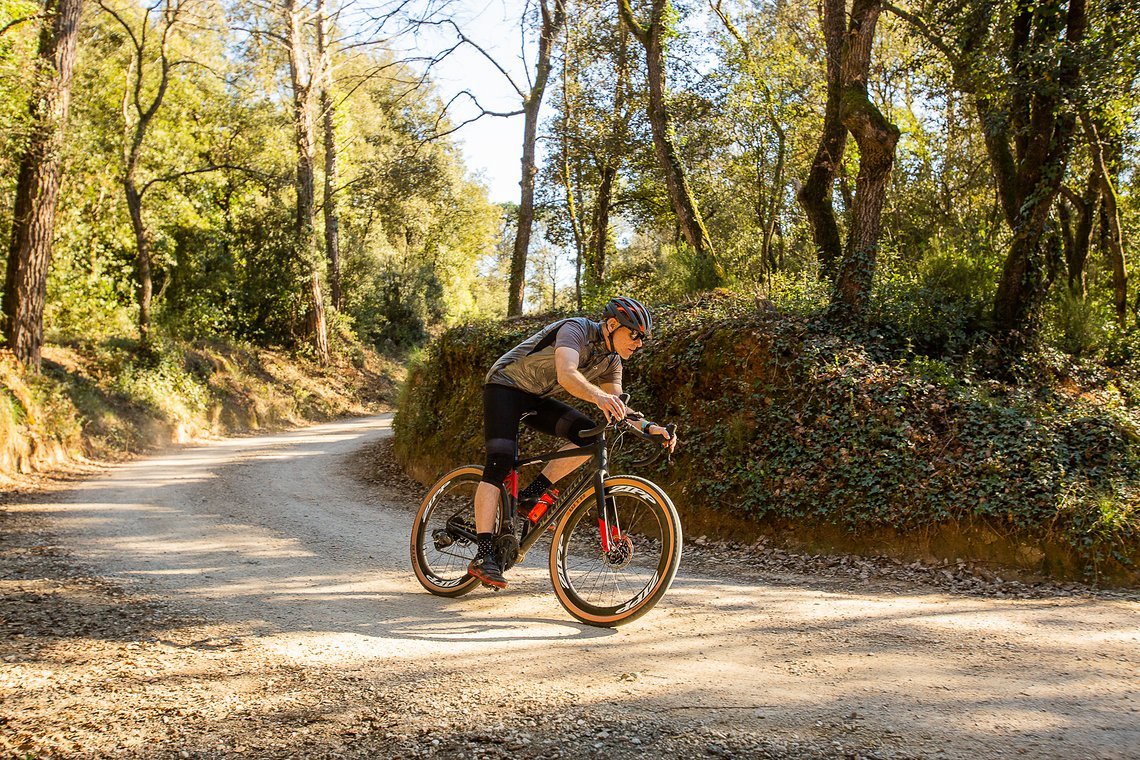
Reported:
(612, 406)
(659, 431)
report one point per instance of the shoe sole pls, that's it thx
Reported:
(487, 581)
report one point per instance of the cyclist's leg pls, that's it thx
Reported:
(502, 409)
(553, 417)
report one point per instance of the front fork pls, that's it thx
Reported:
(608, 526)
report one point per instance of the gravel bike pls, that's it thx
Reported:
(616, 540)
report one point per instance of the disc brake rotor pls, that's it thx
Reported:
(620, 553)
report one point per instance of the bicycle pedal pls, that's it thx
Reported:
(489, 586)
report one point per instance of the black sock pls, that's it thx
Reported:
(536, 488)
(486, 544)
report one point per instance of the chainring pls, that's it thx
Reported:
(507, 550)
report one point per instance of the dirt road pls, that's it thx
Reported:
(251, 597)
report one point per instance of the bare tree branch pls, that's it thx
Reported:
(927, 34)
(482, 113)
(468, 41)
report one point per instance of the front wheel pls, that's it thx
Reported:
(443, 534)
(611, 581)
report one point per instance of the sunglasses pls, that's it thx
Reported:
(638, 335)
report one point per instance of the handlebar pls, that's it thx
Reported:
(631, 417)
(596, 431)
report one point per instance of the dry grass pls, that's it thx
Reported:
(111, 400)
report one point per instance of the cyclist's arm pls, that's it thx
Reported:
(642, 424)
(576, 384)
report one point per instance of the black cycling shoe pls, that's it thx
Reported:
(487, 570)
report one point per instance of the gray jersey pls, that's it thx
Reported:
(529, 366)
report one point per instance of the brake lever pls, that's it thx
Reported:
(672, 430)
(661, 451)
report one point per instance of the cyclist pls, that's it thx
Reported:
(577, 356)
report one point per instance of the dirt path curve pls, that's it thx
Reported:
(284, 621)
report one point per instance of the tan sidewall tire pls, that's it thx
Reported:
(672, 523)
(417, 537)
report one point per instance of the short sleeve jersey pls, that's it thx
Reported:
(529, 366)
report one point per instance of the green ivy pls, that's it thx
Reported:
(784, 419)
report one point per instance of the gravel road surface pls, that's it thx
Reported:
(252, 597)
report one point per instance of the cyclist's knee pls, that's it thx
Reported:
(573, 425)
(500, 460)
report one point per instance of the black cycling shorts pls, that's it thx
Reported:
(505, 407)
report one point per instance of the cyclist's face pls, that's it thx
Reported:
(625, 340)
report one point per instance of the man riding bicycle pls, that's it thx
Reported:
(577, 356)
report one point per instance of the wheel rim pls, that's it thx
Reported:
(444, 548)
(611, 583)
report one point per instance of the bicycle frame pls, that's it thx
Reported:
(592, 474)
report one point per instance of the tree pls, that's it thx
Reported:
(876, 138)
(332, 147)
(653, 36)
(609, 163)
(551, 21)
(37, 189)
(301, 79)
(143, 96)
(768, 205)
(1077, 232)
(849, 109)
(1020, 61)
(590, 138)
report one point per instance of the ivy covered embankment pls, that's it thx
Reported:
(109, 399)
(846, 442)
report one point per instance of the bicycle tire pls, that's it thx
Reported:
(594, 586)
(440, 554)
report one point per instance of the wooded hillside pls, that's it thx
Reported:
(839, 440)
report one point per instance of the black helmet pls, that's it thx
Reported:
(630, 313)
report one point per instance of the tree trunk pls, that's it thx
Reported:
(304, 233)
(599, 235)
(876, 138)
(598, 244)
(144, 287)
(815, 195)
(1110, 220)
(1078, 237)
(1041, 129)
(709, 273)
(328, 122)
(137, 118)
(37, 186)
(775, 201)
(551, 23)
(1028, 130)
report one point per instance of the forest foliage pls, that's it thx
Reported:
(1014, 168)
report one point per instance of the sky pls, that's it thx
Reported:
(492, 146)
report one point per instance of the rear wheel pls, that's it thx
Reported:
(443, 534)
(617, 581)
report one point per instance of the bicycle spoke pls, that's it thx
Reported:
(609, 580)
(442, 544)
